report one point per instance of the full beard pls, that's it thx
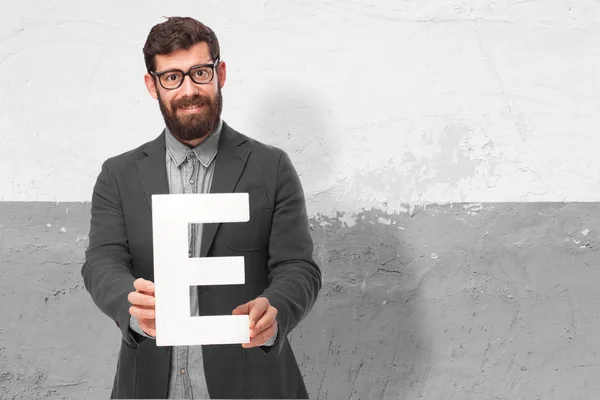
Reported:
(192, 126)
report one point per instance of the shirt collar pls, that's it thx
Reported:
(205, 151)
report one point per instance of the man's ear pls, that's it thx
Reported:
(222, 73)
(151, 85)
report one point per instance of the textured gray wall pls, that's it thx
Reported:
(447, 302)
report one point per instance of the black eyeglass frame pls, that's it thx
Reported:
(187, 73)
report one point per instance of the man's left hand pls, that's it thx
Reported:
(262, 320)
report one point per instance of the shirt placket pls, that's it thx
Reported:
(190, 181)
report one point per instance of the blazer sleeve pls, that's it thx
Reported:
(294, 277)
(107, 271)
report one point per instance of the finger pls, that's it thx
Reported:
(145, 307)
(150, 332)
(149, 328)
(262, 338)
(140, 284)
(259, 307)
(141, 313)
(144, 285)
(140, 299)
(265, 335)
(242, 309)
(266, 321)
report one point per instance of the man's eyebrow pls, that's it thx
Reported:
(180, 69)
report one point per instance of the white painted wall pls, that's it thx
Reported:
(379, 104)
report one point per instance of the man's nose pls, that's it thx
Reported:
(188, 87)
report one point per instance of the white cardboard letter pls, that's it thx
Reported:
(175, 272)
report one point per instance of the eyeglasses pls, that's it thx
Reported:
(173, 78)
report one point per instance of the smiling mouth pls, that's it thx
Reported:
(191, 107)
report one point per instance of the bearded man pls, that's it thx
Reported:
(197, 152)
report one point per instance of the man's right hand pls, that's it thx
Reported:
(142, 305)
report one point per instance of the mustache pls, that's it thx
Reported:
(196, 100)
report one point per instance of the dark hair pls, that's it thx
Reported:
(178, 33)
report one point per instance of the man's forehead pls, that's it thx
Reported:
(184, 58)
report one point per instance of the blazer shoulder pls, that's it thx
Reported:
(127, 158)
(264, 150)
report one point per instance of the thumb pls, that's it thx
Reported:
(243, 309)
(257, 310)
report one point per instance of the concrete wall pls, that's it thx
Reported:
(447, 150)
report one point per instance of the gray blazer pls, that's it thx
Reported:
(279, 265)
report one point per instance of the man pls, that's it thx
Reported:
(197, 152)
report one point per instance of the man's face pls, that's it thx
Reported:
(192, 110)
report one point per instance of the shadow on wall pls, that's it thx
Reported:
(362, 339)
(290, 115)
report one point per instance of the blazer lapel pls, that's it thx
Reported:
(230, 162)
(153, 169)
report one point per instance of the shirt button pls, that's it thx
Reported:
(182, 371)
(191, 181)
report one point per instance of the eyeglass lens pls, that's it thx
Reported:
(199, 75)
